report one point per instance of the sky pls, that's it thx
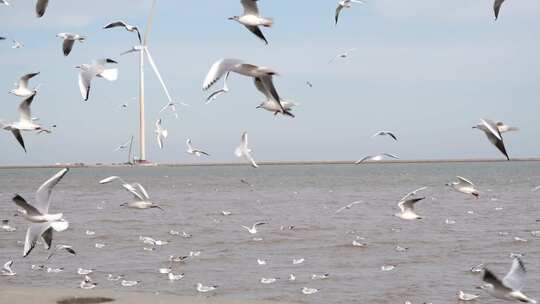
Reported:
(426, 69)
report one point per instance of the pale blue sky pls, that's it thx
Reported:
(427, 69)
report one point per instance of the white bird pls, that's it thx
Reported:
(261, 262)
(388, 267)
(323, 276)
(292, 277)
(407, 209)
(466, 296)
(497, 7)
(22, 89)
(141, 199)
(42, 222)
(509, 288)
(253, 228)
(298, 261)
(349, 206)
(412, 193)
(126, 283)
(110, 277)
(6, 227)
(194, 151)
(224, 66)
(59, 247)
(6, 270)
(175, 277)
(219, 92)
(309, 291)
(161, 133)
(385, 133)
(252, 19)
(83, 271)
(344, 4)
(343, 55)
(377, 157)
(96, 69)
(87, 283)
(243, 151)
(493, 134)
(268, 280)
(41, 7)
(271, 106)
(465, 186)
(69, 41)
(203, 288)
(503, 128)
(17, 44)
(129, 28)
(5, 2)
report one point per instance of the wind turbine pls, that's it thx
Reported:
(143, 50)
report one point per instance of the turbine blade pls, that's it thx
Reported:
(154, 67)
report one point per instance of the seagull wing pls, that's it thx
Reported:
(515, 278)
(23, 81)
(67, 46)
(34, 232)
(18, 137)
(268, 85)
(363, 159)
(392, 135)
(497, 7)
(24, 109)
(41, 7)
(492, 279)
(248, 157)
(143, 191)
(260, 87)
(409, 204)
(492, 127)
(257, 31)
(338, 11)
(391, 155)
(465, 182)
(218, 69)
(85, 80)
(250, 7)
(21, 203)
(43, 194)
(412, 193)
(117, 23)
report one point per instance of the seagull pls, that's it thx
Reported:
(41, 7)
(223, 66)
(42, 222)
(309, 291)
(141, 199)
(253, 228)
(344, 4)
(25, 122)
(349, 206)
(83, 271)
(129, 28)
(497, 7)
(323, 276)
(175, 277)
(252, 19)
(87, 283)
(6, 227)
(202, 288)
(219, 92)
(292, 277)
(377, 157)
(123, 146)
(243, 151)
(407, 209)
(69, 40)
(412, 193)
(261, 262)
(160, 133)
(383, 133)
(170, 105)
(110, 277)
(285, 106)
(22, 87)
(464, 185)
(17, 44)
(510, 286)
(343, 55)
(194, 151)
(59, 247)
(126, 283)
(503, 128)
(493, 134)
(6, 270)
(268, 280)
(309, 84)
(5, 2)
(96, 69)
(466, 296)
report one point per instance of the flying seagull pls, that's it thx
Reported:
(69, 40)
(141, 199)
(194, 151)
(6, 270)
(343, 55)
(96, 69)
(270, 105)
(497, 7)
(243, 151)
(129, 28)
(42, 222)
(349, 206)
(385, 133)
(493, 134)
(221, 91)
(17, 44)
(41, 7)
(123, 146)
(509, 288)
(407, 209)
(25, 122)
(377, 157)
(224, 66)
(464, 185)
(344, 4)
(252, 19)
(412, 193)
(253, 228)
(161, 133)
(22, 89)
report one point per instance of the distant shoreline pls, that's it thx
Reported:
(272, 163)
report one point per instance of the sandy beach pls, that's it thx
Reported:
(95, 296)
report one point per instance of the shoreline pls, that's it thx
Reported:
(269, 163)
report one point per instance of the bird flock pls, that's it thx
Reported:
(42, 224)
